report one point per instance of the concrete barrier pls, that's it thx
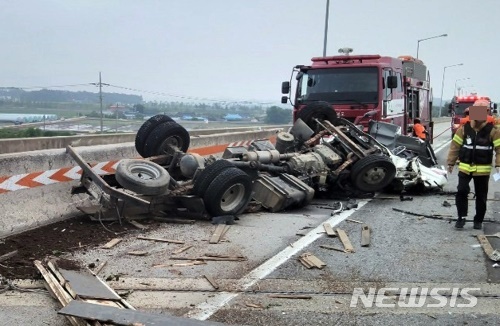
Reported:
(16, 145)
(35, 186)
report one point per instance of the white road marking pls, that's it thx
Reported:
(204, 310)
(441, 146)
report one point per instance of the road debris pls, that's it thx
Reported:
(100, 267)
(178, 251)
(309, 260)
(216, 236)
(8, 255)
(254, 305)
(211, 281)
(495, 265)
(160, 240)
(488, 249)
(365, 235)
(224, 219)
(173, 220)
(439, 217)
(354, 221)
(212, 257)
(290, 296)
(446, 204)
(332, 248)
(345, 240)
(112, 243)
(486, 235)
(138, 253)
(328, 229)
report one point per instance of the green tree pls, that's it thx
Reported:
(275, 114)
(139, 108)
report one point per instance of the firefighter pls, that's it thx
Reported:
(419, 129)
(474, 144)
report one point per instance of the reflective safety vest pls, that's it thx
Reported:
(489, 119)
(476, 151)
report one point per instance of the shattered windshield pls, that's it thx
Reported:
(339, 85)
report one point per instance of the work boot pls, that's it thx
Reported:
(478, 225)
(459, 224)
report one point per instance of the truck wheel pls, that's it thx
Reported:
(372, 173)
(229, 193)
(208, 174)
(145, 130)
(165, 135)
(142, 177)
(318, 110)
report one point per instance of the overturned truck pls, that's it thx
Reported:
(318, 156)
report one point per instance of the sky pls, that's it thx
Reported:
(237, 50)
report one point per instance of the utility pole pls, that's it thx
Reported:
(100, 97)
(326, 27)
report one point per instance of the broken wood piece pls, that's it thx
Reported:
(365, 235)
(211, 281)
(290, 296)
(178, 251)
(160, 240)
(301, 233)
(332, 248)
(329, 230)
(137, 225)
(173, 220)
(100, 267)
(345, 240)
(138, 253)
(354, 221)
(254, 305)
(310, 261)
(8, 255)
(488, 249)
(217, 233)
(216, 258)
(112, 243)
(194, 263)
(224, 231)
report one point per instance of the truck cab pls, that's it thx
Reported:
(459, 104)
(361, 88)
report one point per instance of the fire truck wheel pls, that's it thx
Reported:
(145, 130)
(165, 135)
(372, 173)
(229, 193)
(208, 174)
(318, 110)
(142, 177)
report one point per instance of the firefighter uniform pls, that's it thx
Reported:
(490, 119)
(474, 146)
(419, 131)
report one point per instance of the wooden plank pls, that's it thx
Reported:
(57, 292)
(137, 224)
(290, 296)
(61, 279)
(178, 251)
(332, 248)
(354, 221)
(88, 286)
(100, 267)
(225, 231)
(112, 243)
(8, 255)
(309, 259)
(488, 249)
(210, 258)
(217, 234)
(345, 240)
(138, 253)
(329, 230)
(174, 220)
(160, 240)
(118, 316)
(365, 235)
(211, 281)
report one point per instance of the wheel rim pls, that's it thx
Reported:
(374, 175)
(145, 172)
(171, 142)
(232, 197)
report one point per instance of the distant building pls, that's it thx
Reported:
(233, 117)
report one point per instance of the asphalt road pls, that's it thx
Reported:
(405, 251)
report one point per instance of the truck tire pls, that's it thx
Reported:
(208, 174)
(317, 110)
(165, 134)
(372, 173)
(229, 193)
(142, 177)
(145, 130)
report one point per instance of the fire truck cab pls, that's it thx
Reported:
(458, 106)
(361, 88)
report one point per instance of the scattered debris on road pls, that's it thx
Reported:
(345, 240)
(329, 230)
(488, 249)
(309, 260)
(332, 248)
(290, 296)
(211, 280)
(365, 235)
(112, 243)
(8, 255)
(138, 253)
(178, 251)
(217, 235)
(160, 240)
(446, 204)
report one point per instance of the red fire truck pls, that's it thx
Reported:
(360, 88)
(458, 105)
